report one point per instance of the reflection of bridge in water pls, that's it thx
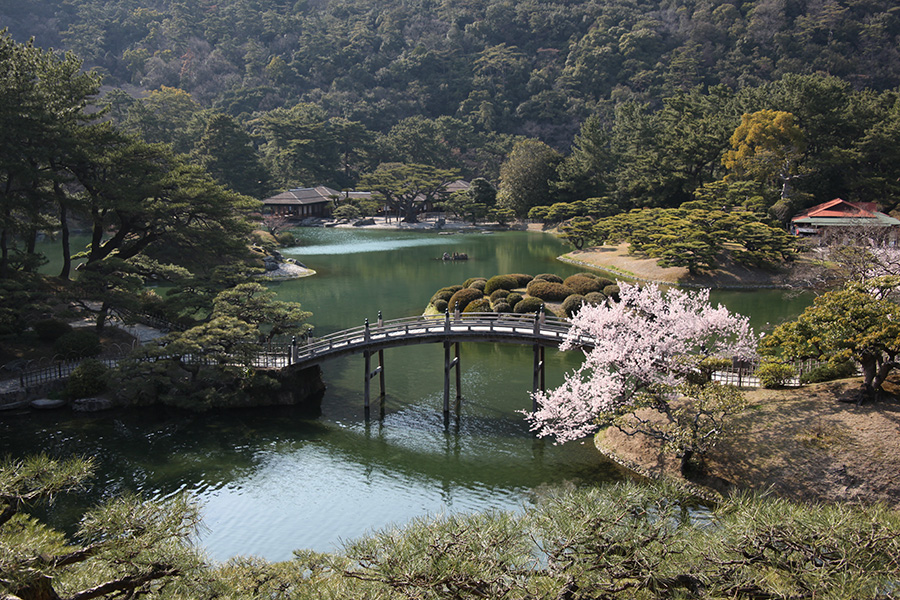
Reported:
(538, 330)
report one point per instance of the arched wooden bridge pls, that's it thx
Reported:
(538, 330)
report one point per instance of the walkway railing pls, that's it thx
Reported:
(510, 327)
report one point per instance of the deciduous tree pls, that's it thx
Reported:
(648, 352)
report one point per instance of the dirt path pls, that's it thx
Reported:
(811, 443)
(616, 260)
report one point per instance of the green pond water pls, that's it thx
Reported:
(274, 480)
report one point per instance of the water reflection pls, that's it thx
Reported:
(277, 479)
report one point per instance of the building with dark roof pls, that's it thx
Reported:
(302, 203)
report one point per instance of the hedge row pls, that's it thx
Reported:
(499, 293)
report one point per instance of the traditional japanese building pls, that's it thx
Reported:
(303, 202)
(839, 214)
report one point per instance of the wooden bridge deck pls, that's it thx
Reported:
(510, 328)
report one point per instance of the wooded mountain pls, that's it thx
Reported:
(640, 98)
(523, 67)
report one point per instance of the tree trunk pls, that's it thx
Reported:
(41, 589)
(870, 370)
(410, 214)
(64, 223)
(101, 316)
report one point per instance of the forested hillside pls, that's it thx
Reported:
(636, 99)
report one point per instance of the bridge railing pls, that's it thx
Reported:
(538, 326)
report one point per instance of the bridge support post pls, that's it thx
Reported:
(369, 373)
(448, 365)
(538, 381)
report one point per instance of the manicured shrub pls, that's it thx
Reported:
(498, 294)
(49, 330)
(502, 307)
(78, 343)
(501, 282)
(612, 292)
(549, 290)
(523, 279)
(588, 275)
(596, 298)
(460, 300)
(89, 378)
(478, 305)
(468, 282)
(774, 375)
(440, 305)
(514, 298)
(829, 372)
(286, 238)
(603, 281)
(445, 293)
(549, 277)
(583, 285)
(478, 284)
(571, 304)
(529, 304)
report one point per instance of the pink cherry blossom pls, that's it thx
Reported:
(649, 342)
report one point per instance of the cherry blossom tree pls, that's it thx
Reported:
(652, 350)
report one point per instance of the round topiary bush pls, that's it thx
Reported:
(603, 281)
(522, 279)
(501, 282)
(612, 292)
(478, 284)
(286, 238)
(514, 298)
(444, 295)
(583, 285)
(502, 307)
(549, 277)
(460, 300)
(478, 305)
(529, 304)
(440, 305)
(596, 298)
(572, 304)
(549, 290)
(588, 275)
(498, 294)
(468, 282)
(49, 330)
(774, 375)
(78, 343)
(89, 378)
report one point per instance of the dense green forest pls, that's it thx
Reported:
(633, 102)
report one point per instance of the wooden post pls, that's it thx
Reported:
(367, 375)
(538, 380)
(446, 378)
(448, 365)
(381, 375)
(458, 379)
